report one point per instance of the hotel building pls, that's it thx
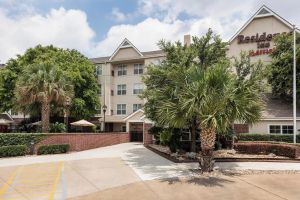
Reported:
(120, 82)
(120, 78)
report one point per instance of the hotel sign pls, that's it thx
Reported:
(262, 40)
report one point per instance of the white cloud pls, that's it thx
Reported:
(118, 15)
(163, 19)
(57, 27)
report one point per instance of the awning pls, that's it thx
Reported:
(82, 123)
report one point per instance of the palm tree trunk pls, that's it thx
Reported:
(45, 116)
(207, 137)
(193, 137)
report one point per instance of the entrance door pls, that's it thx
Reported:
(136, 136)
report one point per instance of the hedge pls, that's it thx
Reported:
(7, 139)
(13, 150)
(53, 149)
(287, 150)
(267, 137)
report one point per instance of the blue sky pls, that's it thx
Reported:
(96, 27)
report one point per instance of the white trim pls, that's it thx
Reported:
(127, 46)
(279, 119)
(280, 128)
(132, 114)
(271, 13)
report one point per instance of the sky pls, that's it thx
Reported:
(97, 27)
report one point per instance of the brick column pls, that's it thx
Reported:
(147, 138)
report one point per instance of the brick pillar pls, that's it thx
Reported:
(147, 138)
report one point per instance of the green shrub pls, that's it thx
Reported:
(267, 137)
(7, 139)
(13, 150)
(57, 127)
(165, 137)
(53, 149)
(174, 141)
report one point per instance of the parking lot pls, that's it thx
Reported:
(130, 171)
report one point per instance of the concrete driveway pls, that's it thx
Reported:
(130, 171)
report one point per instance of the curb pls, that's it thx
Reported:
(168, 157)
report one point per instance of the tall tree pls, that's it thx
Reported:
(79, 69)
(207, 91)
(168, 80)
(281, 67)
(43, 84)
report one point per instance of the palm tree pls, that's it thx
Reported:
(218, 101)
(43, 84)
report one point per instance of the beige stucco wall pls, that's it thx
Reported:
(109, 82)
(269, 25)
(262, 127)
(126, 53)
(118, 127)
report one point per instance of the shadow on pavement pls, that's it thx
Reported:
(203, 181)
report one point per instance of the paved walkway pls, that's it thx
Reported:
(130, 171)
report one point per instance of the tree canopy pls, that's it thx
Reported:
(195, 86)
(43, 84)
(76, 67)
(281, 67)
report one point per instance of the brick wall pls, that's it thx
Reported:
(84, 141)
(147, 136)
(241, 128)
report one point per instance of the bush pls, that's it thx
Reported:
(288, 150)
(13, 150)
(53, 149)
(57, 127)
(267, 137)
(7, 139)
(165, 137)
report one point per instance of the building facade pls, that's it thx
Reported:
(256, 37)
(120, 78)
(120, 83)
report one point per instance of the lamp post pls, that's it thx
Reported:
(294, 89)
(104, 107)
(66, 110)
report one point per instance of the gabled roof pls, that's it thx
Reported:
(133, 114)
(125, 44)
(264, 11)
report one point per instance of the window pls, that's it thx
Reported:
(99, 69)
(121, 90)
(123, 128)
(98, 109)
(122, 70)
(112, 73)
(281, 129)
(287, 129)
(112, 92)
(136, 107)
(121, 109)
(138, 68)
(100, 90)
(275, 129)
(138, 88)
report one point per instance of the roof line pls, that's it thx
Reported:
(271, 13)
(121, 46)
(132, 114)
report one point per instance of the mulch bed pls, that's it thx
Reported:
(220, 156)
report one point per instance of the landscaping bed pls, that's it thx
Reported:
(220, 156)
